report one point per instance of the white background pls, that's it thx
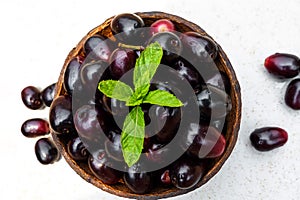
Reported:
(36, 36)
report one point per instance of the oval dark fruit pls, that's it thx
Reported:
(213, 102)
(162, 25)
(97, 47)
(268, 138)
(127, 28)
(113, 145)
(46, 152)
(137, 179)
(121, 61)
(203, 141)
(71, 75)
(186, 173)
(88, 122)
(47, 94)
(283, 65)
(35, 127)
(31, 98)
(170, 43)
(77, 150)
(103, 168)
(61, 115)
(187, 71)
(126, 23)
(292, 94)
(198, 48)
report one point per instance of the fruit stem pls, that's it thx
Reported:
(130, 46)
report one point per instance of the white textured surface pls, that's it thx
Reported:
(36, 36)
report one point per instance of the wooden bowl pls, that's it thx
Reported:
(232, 120)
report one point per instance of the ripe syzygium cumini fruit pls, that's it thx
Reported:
(31, 98)
(95, 115)
(203, 141)
(77, 150)
(35, 127)
(97, 47)
(268, 138)
(46, 152)
(61, 115)
(162, 25)
(47, 94)
(199, 48)
(121, 61)
(71, 75)
(103, 168)
(138, 179)
(185, 173)
(292, 94)
(127, 28)
(283, 65)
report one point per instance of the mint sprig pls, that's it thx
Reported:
(162, 98)
(116, 89)
(133, 131)
(132, 138)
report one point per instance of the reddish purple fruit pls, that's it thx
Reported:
(31, 98)
(198, 48)
(205, 142)
(137, 179)
(186, 173)
(283, 65)
(97, 47)
(61, 115)
(71, 75)
(268, 138)
(165, 177)
(35, 127)
(292, 94)
(77, 150)
(46, 152)
(121, 61)
(103, 168)
(162, 25)
(47, 94)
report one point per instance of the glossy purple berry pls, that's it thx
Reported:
(47, 94)
(31, 98)
(268, 138)
(77, 150)
(186, 173)
(292, 94)
(61, 115)
(283, 65)
(46, 152)
(35, 127)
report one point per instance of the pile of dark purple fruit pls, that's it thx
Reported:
(286, 66)
(87, 120)
(282, 66)
(45, 150)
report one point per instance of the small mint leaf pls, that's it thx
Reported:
(138, 95)
(146, 65)
(132, 137)
(134, 100)
(115, 89)
(162, 98)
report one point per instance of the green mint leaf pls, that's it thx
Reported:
(137, 96)
(134, 100)
(132, 138)
(115, 89)
(146, 66)
(162, 98)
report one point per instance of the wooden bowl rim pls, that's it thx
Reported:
(235, 97)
